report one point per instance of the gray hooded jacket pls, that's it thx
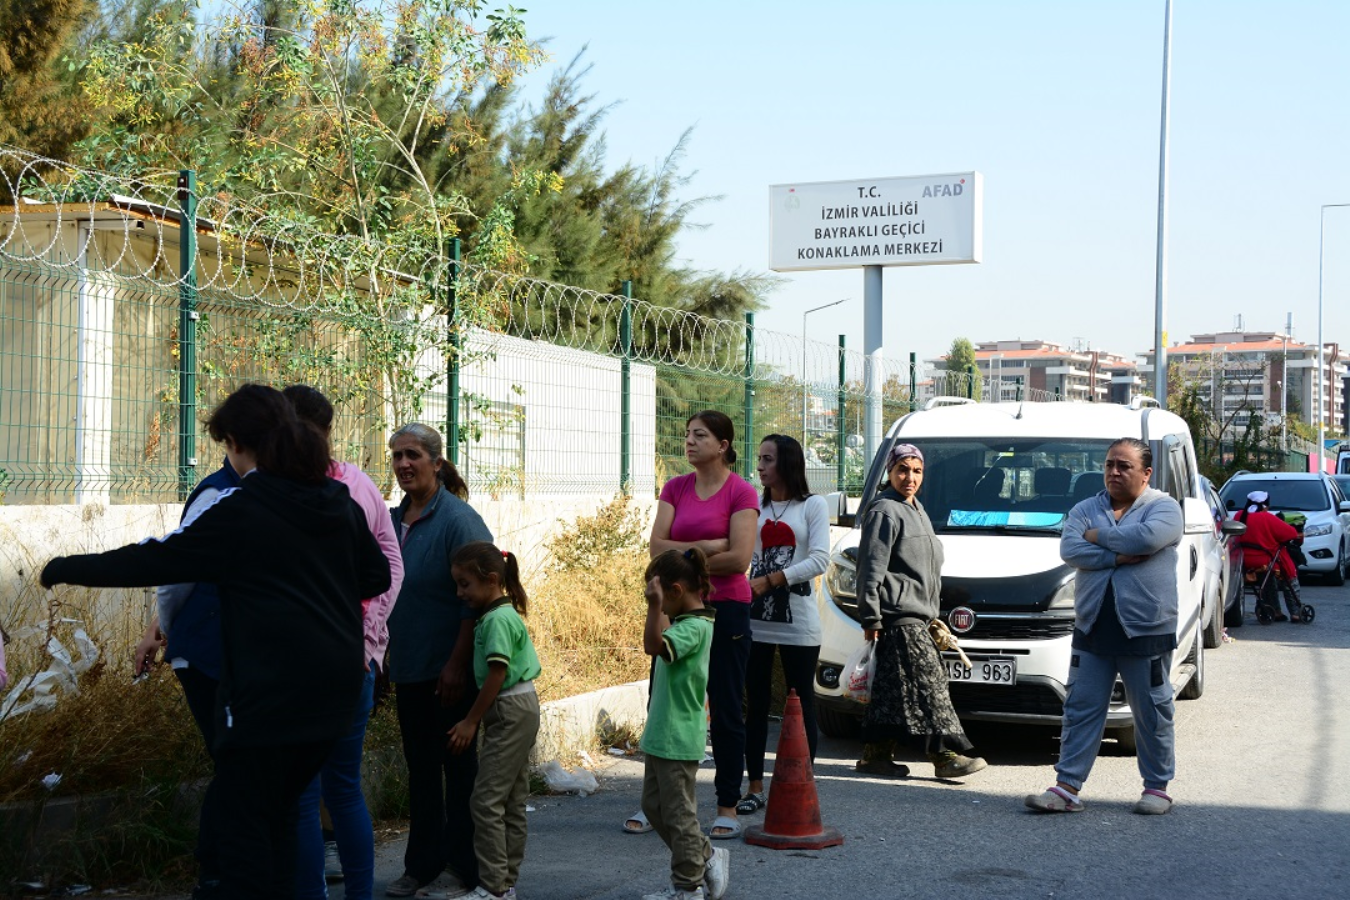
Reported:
(1146, 592)
(899, 563)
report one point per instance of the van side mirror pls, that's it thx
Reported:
(1197, 515)
(837, 504)
(1344, 506)
(1233, 527)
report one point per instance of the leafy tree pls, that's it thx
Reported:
(961, 361)
(318, 119)
(1226, 440)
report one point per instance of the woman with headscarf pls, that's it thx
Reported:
(899, 581)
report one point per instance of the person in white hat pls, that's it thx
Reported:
(1266, 543)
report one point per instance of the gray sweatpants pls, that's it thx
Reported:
(1149, 692)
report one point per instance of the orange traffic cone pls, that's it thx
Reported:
(792, 819)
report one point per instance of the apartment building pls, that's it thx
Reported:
(1262, 373)
(1034, 369)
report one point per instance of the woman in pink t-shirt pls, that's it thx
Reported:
(715, 510)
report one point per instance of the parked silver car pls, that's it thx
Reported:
(1223, 559)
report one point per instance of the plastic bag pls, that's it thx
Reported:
(856, 679)
(561, 781)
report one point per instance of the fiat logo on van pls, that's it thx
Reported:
(962, 619)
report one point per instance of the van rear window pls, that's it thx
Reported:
(973, 484)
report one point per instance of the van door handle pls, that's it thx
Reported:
(1195, 561)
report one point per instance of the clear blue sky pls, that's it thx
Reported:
(1056, 103)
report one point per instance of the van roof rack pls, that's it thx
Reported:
(1140, 401)
(948, 401)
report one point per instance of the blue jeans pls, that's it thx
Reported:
(1149, 692)
(339, 781)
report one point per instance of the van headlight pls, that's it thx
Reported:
(841, 578)
(1317, 530)
(1063, 598)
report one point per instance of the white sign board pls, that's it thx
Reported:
(922, 221)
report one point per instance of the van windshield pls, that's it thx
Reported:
(1002, 485)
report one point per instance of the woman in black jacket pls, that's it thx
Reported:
(292, 556)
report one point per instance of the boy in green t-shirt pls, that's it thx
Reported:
(679, 634)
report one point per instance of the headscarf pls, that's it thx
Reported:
(1255, 500)
(902, 451)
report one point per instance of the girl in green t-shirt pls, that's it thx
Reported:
(505, 666)
(679, 635)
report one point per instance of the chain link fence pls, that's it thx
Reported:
(121, 329)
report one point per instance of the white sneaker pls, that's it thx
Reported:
(717, 873)
(673, 893)
(482, 893)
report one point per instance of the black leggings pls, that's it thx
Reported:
(727, 660)
(440, 784)
(799, 670)
(200, 690)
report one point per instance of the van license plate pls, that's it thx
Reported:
(995, 670)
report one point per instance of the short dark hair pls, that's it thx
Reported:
(310, 404)
(791, 465)
(259, 419)
(1145, 451)
(722, 428)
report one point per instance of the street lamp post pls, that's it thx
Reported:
(804, 389)
(1321, 347)
(1160, 273)
(1284, 383)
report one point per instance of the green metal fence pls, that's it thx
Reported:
(120, 329)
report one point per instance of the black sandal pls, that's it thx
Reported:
(750, 804)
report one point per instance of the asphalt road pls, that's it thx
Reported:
(1263, 805)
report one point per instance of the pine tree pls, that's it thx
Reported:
(40, 106)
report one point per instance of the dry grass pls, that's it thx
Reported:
(587, 626)
(587, 613)
(130, 752)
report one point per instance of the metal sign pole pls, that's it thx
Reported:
(874, 377)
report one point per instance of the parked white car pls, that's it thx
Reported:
(1326, 532)
(999, 479)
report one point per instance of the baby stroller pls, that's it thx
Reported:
(1265, 583)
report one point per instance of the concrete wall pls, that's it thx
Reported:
(30, 535)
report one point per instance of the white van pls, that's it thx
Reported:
(999, 479)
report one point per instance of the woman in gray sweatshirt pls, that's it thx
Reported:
(899, 581)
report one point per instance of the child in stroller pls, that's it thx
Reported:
(1267, 563)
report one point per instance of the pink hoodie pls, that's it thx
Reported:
(376, 609)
